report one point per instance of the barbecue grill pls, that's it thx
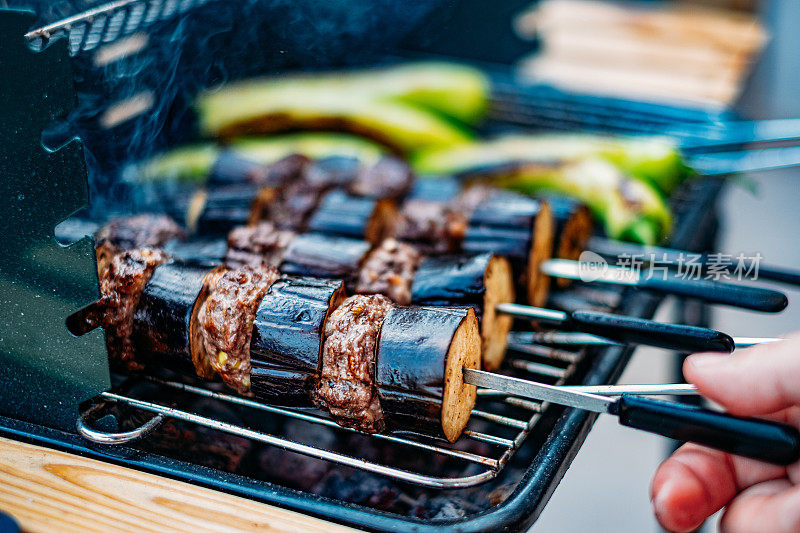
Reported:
(514, 452)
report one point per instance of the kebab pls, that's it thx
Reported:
(445, 280)
(394, 269)
(294, 341)
(514, 226)
(297, 341)
(340, 196)
(565, 267)
(482, 218)
(295, 192)
(373, 366)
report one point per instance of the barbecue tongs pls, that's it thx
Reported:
(749, 437)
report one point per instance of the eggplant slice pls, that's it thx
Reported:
(519, 228)
(325, 256)
(422, 353)
(162, 322)
(478, 281)
(287, 338)
(357, 217)
(573, 228)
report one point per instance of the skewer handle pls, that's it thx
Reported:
(780, 274)
(640, 331)
(755, 298)
(748, 437)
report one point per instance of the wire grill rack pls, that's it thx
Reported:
(545, 107)
(503, 422)
(108, 22)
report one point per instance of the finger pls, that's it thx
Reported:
(759, 380)
(696, 482)
(772, 506)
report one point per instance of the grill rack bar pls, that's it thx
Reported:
(493, 464)
(108, 22)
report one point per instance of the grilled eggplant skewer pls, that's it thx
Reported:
(476, 281)
(479, 221)
(495, 220)
(396, 270)
(305, 344)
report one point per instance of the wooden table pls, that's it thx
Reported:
(51, 491)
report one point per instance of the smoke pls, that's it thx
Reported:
(132, 106)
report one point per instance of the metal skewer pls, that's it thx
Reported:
(675, 258)
(569, 338)
(627, 329)
(656, 389)
(737, 133)
(737, 161)
(748, 437)
(743, 296)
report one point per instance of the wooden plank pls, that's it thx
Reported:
(51, 491)
(704, 26)
(626, 82)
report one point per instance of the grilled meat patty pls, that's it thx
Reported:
(140, 230)
(346, 385)
(123, 276)
(262, 244)
(389, 270)
(225, 320)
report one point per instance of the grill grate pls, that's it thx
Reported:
(545, 107)
(106, 23)
(503, 433)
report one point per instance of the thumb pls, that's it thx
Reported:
(756, 381)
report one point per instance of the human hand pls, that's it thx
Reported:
(695, 482)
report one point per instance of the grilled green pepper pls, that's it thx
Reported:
(452, 89)
(407, 108)
(192, 163)
(629, 208)
(655, 159)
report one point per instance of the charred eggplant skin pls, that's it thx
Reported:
(412, 353)
(451, 280)
(435, 189)
(344, 215)
(324, 256)
(503, 224)
(231, 168)
(161, 322)
(226, 208)
(286, 342)
(200, 252)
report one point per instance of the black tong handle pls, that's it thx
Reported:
(640, 331)
(748, 437)
(755, 298)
